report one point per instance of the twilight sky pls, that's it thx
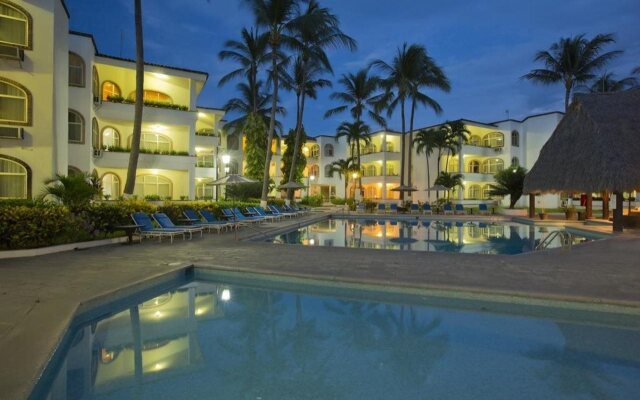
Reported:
(483, 46)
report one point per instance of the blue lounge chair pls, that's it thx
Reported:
(393, 208)
(211, 218)
(483, 209)
(265, 213)
(276, 211)
(291, 210)
(426, 209)
(460, 209)
(243, 218)
(360, 208)
(381, 208)
(193, 216)
(254, 212)
(228, 214)
(148, 230)
(447, 209)
(165, 222)
(415, 208)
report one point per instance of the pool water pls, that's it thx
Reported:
(224, 339)
(424, 235)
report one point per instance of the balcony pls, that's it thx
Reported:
(202, 172)
(125, 111)
(482, 151)
(380, 178)
(380, 155)
(112, 159)
(207, 141)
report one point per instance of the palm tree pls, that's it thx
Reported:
(425, 141)
(606, 83)
(74, 191)
(457, 135)
(250, 53)
(244, 106)
(344, 167)
(359, 97)
(139, 102)
(509, 182)
(572, 61)
(277, 16)
(357, 133)
(449, 181)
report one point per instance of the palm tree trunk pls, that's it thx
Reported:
(296, 151)
(567, 94)
(272, 125)
(137, 116)
(428, 175)
(410, 158)
(403, 147)
(359, 172)
(254, 88)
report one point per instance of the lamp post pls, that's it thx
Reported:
(355, 184)
(310, 178)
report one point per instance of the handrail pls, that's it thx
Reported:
(566, 240)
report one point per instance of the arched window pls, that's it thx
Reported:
(76, 127)
(233, 167)
(369, 148)
(154, 142)
(71, 170)
(315, 151)
(232, 142)
(391, 170)
(515, 162)
(152, 185)
(493, 139)
(15, 26)
(369, 170)
(110, 89)
(95, 85)
(314, 170)
(515, 138)
(95, 134)
(486, 192)
(15, 103)
(152, 96)
(328, 150)
(475, 140)
(110, 137)
(15, 179)
(76, 70)
(204, 191)
(328, 171)
(389, 147)
(111, 185)
(474, 192)
(492, 166)
(473, 167)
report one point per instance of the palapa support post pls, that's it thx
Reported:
(589, 206)
(532, 205)
(605, 205)
(617, 213)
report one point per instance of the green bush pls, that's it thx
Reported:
(338, 201)
(244, 191)
(313, 201)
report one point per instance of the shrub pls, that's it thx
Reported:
(313, 201)
(244, 191)
(338, 201)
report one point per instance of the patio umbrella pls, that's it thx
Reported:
(291, 185)
(404, 188)
(232, 179)
(436, 188)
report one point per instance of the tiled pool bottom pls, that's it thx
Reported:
(231, 338)
(425, 235)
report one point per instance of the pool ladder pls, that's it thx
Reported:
(566, 240)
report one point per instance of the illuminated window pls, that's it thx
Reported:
(486, 192)
(475, 140)
(493, 139)
(153, 96)
(515, 138)
(315, 151)
(152, 185)
(473, 167)
(389, 147)
(110, 137)
(474, 192)
(328, 150)
(14, 103)
(391, 170)
(110, 89)
(369, 148)
(14, 179)
(76, 127)
(95, 134)
(492, 166)
(204, 191)
(111, 185)
(369, 170)
(314, 170)
(205, 159)
(76, 70)
(154, 142)
(15, 25)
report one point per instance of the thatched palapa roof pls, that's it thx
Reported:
(595, 148)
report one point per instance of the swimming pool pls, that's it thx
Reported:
(229, 337)
(425, 235)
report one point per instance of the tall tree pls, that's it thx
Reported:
(276, 16)
(249, 53)
(572, 61)
(450, 181)
(139, 102)
(344, 168)
(509, 182)
(357, 134)
(287, 156)
(606, 83)
(457, 134)
(255, 132)
(243, 105)
(359, 96)
(425, 141)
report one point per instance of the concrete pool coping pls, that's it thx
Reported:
(40, 295)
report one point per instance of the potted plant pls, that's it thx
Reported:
(570, 213)
(542, 214)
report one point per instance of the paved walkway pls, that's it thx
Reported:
(40, 295)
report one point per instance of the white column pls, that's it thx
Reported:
(461, 171)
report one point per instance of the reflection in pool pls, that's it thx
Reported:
(229, 341)
(424, 235)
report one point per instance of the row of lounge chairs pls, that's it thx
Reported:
(427, 209)
(204, 220)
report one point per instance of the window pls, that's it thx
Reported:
(314, 170)
(493, 139)
(110, 137)
(328, 171)
(76, 70)
(515, 138)
(486, 192)
(152, 96)
(205, 160)
(95, 85)
(204, 190)
(14, 179)
(76, 127)
(369, 170)
(369, 148)
(95, 134)
(474, 192)
(328, 150)
(473, 167)
(391, 170)
(492, 166)
(389, 147)
(110, 89)
(15, 103)
(315, 151)
(232, 142)
(475, 140)
(154, 142)
(152, 185)
(515, 162)
(111, 185)
(15, 25)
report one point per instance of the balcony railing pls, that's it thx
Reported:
(204, 164)
(147, 103)
(118, 149)
(207, 132)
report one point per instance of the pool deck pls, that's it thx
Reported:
(40, 295)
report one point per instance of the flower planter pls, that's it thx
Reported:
(542, 215)
(571, 215)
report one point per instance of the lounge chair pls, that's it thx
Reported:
(276, 211)
(426, 209)
(165, 222)
(228, 214)
(287, 211)
(381, 208)
(295, 211)
(262, 212)
(211, 218)
(483, 209)
(197, 220)
(301, 210)
(393, 208)
(447, 209)
(148, 230)
(254, 212)
(415, 208)
(460, 209)
(360, 208)
(243, 218)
